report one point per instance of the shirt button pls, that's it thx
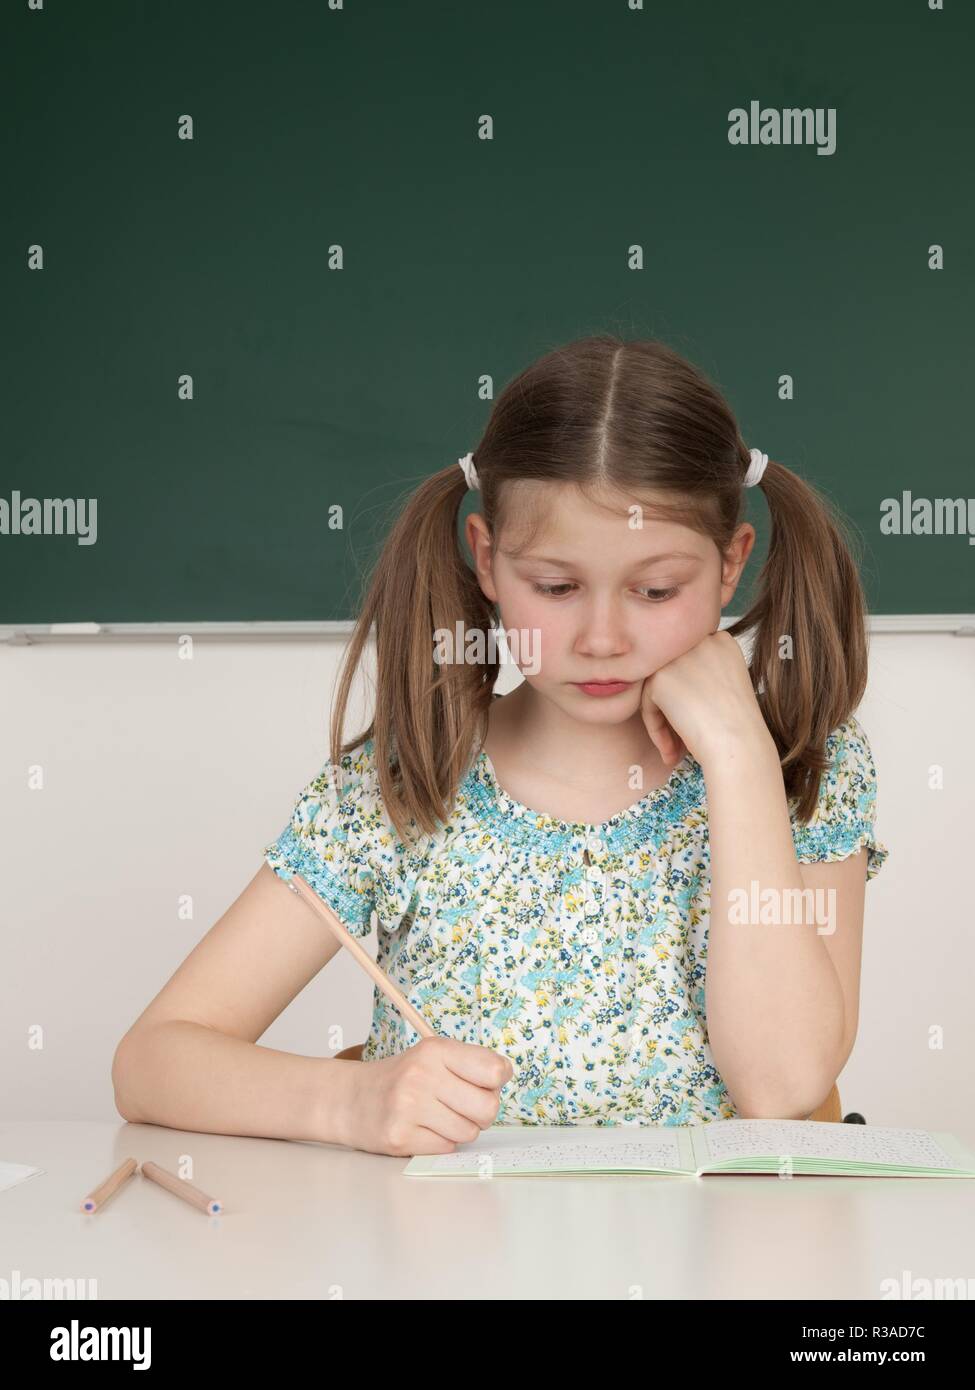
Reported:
(593, 858)
(589, 936)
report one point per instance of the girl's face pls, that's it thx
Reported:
(599, 601)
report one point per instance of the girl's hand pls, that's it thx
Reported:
(702, 701)
(426, 1100)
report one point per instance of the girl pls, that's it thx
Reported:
(629, 892)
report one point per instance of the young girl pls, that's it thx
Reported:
(629, 892)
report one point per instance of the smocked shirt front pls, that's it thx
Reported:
(578, 951)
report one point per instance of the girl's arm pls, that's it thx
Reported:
(781, 1000)
(191, 1060)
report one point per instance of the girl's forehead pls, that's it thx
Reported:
(555, 517)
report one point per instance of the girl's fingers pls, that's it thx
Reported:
(666, 741)
(671, 748)
(427, 1141)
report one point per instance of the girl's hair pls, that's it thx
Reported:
(638, 418)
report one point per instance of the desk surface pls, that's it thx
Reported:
(309, 1220)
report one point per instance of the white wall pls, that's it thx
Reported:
(165, 777)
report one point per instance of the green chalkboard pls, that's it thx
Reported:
(315, 387)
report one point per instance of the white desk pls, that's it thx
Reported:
(314, 1221)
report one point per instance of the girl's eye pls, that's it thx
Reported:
(551, 589)
(558, 591)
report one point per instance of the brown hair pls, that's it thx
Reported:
(639, 418)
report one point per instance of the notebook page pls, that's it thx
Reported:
(839, 1143)
(558, 1149)
(13, 1173)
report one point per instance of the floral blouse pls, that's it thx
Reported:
(577, 951)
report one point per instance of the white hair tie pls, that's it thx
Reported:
(470, 472)
(756, 468)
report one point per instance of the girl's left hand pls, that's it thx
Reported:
(701, 701)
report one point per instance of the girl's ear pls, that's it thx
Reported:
(734, 560)
(478, 538)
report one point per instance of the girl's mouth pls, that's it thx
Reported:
(602, 687)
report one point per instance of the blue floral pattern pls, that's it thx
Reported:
(578, 951)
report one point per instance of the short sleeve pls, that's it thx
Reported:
(843, 821)
(336, 828)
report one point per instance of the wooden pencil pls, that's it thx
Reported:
(101, 1194)
(416, 1020)
(183, 1189)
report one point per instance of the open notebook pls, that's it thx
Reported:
(719, 1146)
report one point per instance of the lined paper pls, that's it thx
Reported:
(659, 1149)
(873, 1144)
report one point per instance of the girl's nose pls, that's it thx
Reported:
(602, 630)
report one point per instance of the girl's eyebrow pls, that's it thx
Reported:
(568, 564)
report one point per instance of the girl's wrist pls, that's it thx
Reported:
(334, 1101)
(740, 750)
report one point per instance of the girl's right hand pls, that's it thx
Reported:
(426, 1100)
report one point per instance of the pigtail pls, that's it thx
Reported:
(808, 660)
(428, 716)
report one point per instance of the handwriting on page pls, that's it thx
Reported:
(636, 1155)
(903, 1148)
